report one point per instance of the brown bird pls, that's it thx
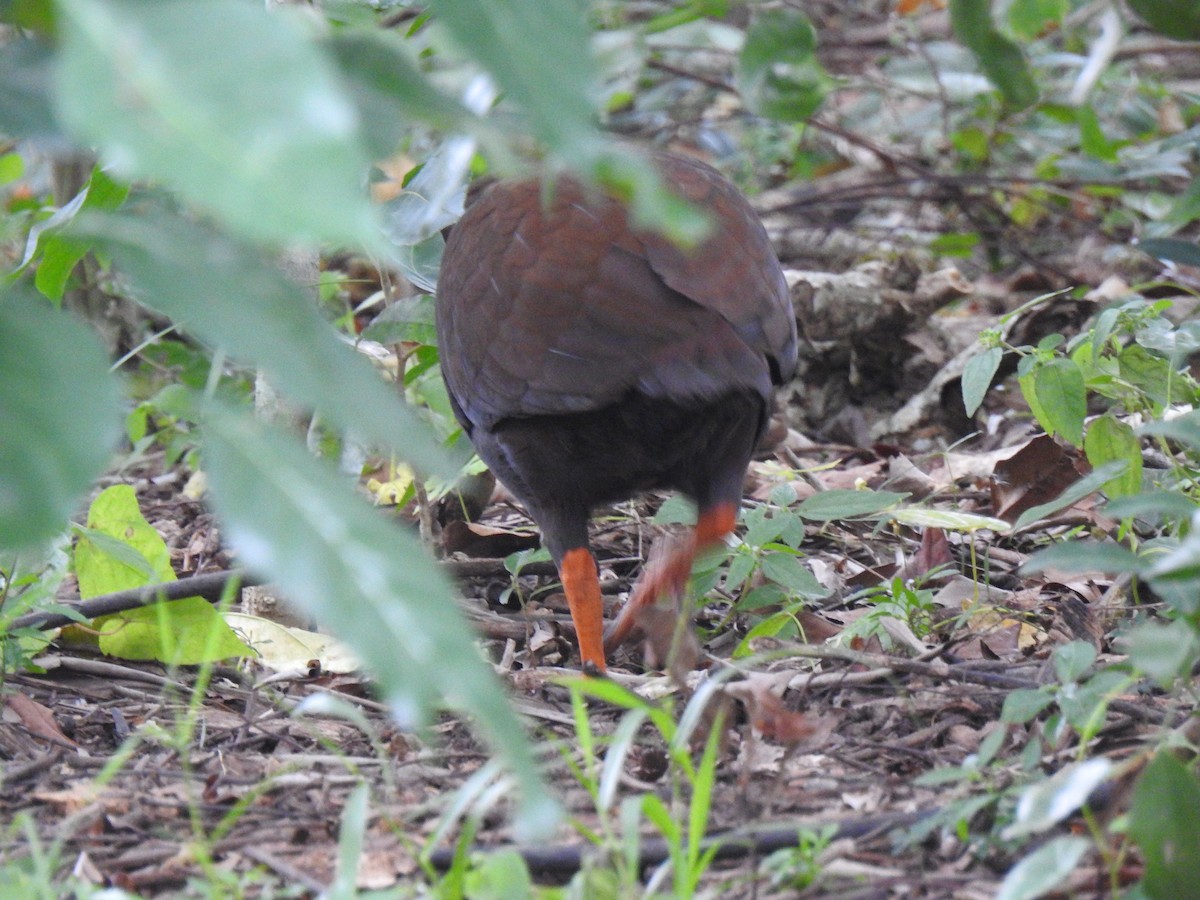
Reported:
(588, 360)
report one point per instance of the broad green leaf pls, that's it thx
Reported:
(389, 91)
(778, 73)
(1044, 869)
(1078, 556)
(828, 506)
(1046, 803)
(552, 79)
(1028, 19)
(1071, 661)
(951, 520)
(499, 876)
(232, 106)
(61, 416)
(295, 521)
(1179, 19)
(1150, 373)
(1182, 563)
(1092, 139)
(1108, 440)
(1000, 59)
(26, 109)
(788, 572)
(1185, 429)
(977, 377)
(1167, 504)
(1163, 651)
(1063, 398)
(1162, 821)
(1026, 381)
(182, 632)
(59, 254)
(1022, 706)
(227, 294)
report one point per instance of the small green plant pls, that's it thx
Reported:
(799, 867)
(899, 599)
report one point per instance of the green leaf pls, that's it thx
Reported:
(955, 244)
(26, 108)
(977, 377)
(1022, 706)
(788, 572)
(1092, 139)
(778, 74)
(389, 91)
(1043, 869)
(828, 506)
(61, 416)
(950, 519)
(1166, 504)
(1080, 556)
(59, 254)
(1108, 440)
(1000, 59)
(1162, 821)
(1151, 374)
(1185, 429)
(1071, 661)
(554, 84)
(227, 294)
(1061, 393)
(232, 106)
(1029, 19)
(1046, 803)
(1179, 19)
(498, 876)
(1164, 652)
(120, 550)
(295, 521)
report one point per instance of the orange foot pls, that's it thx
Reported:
(668, 576)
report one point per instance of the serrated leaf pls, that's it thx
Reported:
(779, 75)
(1000, 59)
(1061, 393)
(977, 377)
(61, 416)
(828, 506)
(1109, 440)
(1162, 820)
(232, 106)
(295, 521)
(227, 294)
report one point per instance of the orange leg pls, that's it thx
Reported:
(581, 583)
(711, 527)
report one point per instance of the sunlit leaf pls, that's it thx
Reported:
(1109, 439)
(1043, 869)
(1046, 803)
